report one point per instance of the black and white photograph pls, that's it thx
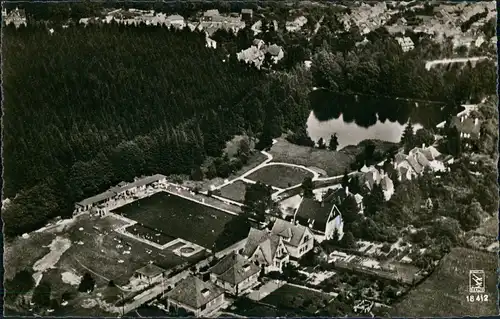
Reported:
(239, 159)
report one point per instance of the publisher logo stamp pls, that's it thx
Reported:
(476, 281)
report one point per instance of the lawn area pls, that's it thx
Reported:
(235, 191)
(280, 175)
(22, 253)
(249, 308)
(334, 163)
(149, 234)
(100, 254)
(178, 217)
(444, 293)
(303, 301)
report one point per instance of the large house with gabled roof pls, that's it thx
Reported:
(322, 217)
(235, 274)
(266, 250)
(298, 239)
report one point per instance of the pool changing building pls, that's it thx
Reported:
(100, 202)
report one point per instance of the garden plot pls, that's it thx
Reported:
(302, 300)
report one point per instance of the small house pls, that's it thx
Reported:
(298, 239)
(211, 15)
(266, 250)
(246, 14)
(235, 274)
(192, 294)
(150, 273)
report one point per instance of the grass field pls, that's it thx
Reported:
(303, 301)
(444, 293)
(235, 191)
(280, 176)
(334, 163)
(178, 217)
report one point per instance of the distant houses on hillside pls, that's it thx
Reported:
(16, 17)
(256, 53)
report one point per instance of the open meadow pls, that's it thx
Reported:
(280, 176)
(334, 163)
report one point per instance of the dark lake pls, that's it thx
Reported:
(357, 118)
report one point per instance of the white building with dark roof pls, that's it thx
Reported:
(266, 250)
(322, 217)
(298, 239)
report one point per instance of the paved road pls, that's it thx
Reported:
(267, 162)
(430, 64)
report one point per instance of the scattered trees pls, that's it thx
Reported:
(333, 143)
(307, 187)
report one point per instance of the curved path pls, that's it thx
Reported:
(268, 162)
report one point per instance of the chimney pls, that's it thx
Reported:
(347, 190)
(475, 121)
(423, 145)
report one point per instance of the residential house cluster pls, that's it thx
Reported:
(256, 53)
(419, 158)
(100, 202)
(212, 21)
(16, 17)
(373, 175)
(238, 272)
(136, 17)
(367, 17)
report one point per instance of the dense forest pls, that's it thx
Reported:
(103, 104)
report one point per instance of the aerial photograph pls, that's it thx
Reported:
(241, 159)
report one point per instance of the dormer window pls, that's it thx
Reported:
(205, 292)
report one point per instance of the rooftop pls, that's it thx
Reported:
(150, 270)
(290, 232)
(194, 292)
(267, 242)
(234, 268)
